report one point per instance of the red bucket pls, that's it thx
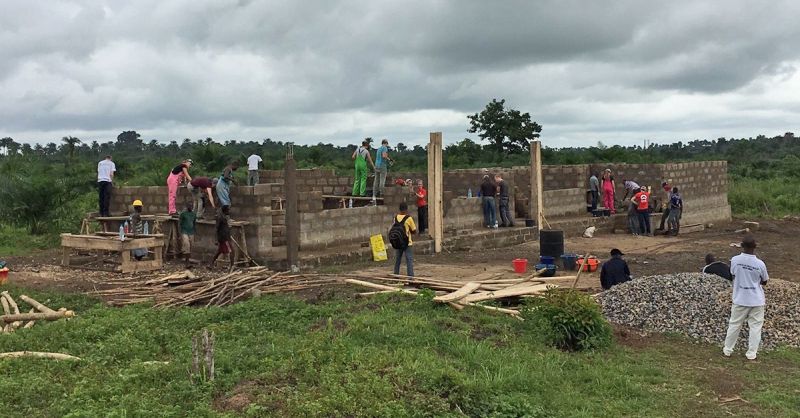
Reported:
(3, 275)
(520, 265)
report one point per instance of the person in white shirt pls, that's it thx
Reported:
(252, 169)
(105, 175)
(749, 277)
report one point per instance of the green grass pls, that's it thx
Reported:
(16, 241)
(384, 356)
(772, 198)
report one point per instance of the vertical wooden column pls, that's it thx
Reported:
(537, 187)
(292, 217)
(435, 192)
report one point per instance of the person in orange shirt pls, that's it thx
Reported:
(422, 206)
(642, 201)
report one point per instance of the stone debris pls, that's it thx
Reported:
(698, 306)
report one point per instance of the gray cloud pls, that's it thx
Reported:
(339, 70)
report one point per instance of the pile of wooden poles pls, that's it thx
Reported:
(185, 289)
(13, 319)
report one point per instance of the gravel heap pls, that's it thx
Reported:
(698, 305)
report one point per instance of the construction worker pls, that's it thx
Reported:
(361, 155)
(749, 278)
(137, 228)
(177, 175)
(382, 162)
(200, 187)
(223, 237)
(224, 184)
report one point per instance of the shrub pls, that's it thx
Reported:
(570, 320)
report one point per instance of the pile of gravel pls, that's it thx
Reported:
(698, 306)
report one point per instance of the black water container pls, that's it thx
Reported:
(551, 243)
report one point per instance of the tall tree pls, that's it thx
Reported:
(5, 143)
(506, 129)
(70, 142)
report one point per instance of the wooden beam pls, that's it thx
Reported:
(292, 217)
(435, 192)
(460, 293)
(529, 290)
(537, 187)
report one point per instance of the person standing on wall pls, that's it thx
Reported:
(505, 212)
(178, 175)
(422, 206)
(594, 190)
(224, 184)
(642, 201)
(200, 187)
(608, 191)
(361, 156)
(488, 189)
(105, 176)
(252, 169)
(749, 278)
(382, 161)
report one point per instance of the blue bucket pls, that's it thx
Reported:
(569, 260)
(546, 259)
(551, 269)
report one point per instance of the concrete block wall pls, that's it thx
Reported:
(313, 179)
(330, 228)
(564, 202)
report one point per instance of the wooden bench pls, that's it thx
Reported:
(128, 264)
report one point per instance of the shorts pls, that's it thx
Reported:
(186, 243)
(224, 247)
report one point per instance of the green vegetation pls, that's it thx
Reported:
(48, 188)
(571, 320)
(390, 355)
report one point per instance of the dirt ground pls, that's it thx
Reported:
(777, 243)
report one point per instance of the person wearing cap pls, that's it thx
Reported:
(382, 161)
(200, 187)
(105, 175)
(749, 278)
(608, 185)
(137, 228)
(614, 271)
(360, 156)
(224, 183)
(642, 201)
(178, 175)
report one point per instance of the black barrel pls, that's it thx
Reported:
(551, 243)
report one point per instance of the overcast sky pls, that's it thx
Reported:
(336, 71)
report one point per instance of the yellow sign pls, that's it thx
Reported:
(378, 248)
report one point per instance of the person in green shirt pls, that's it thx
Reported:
(187, 221)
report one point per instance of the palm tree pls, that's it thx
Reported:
(70, 142)
(4, 143)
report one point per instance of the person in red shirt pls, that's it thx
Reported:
(422, 206)
(642, 201)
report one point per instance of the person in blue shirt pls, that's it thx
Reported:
(675, 206)
(382, 161)
(614, 271)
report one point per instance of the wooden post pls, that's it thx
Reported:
(292, 217)
(435, 192)
(537, 188)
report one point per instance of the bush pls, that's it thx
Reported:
(571, 320)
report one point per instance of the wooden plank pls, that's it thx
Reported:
(435, 192)
(90, 242)
(147, 265)
(537, 185)
(504, 293)
(460, 293)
